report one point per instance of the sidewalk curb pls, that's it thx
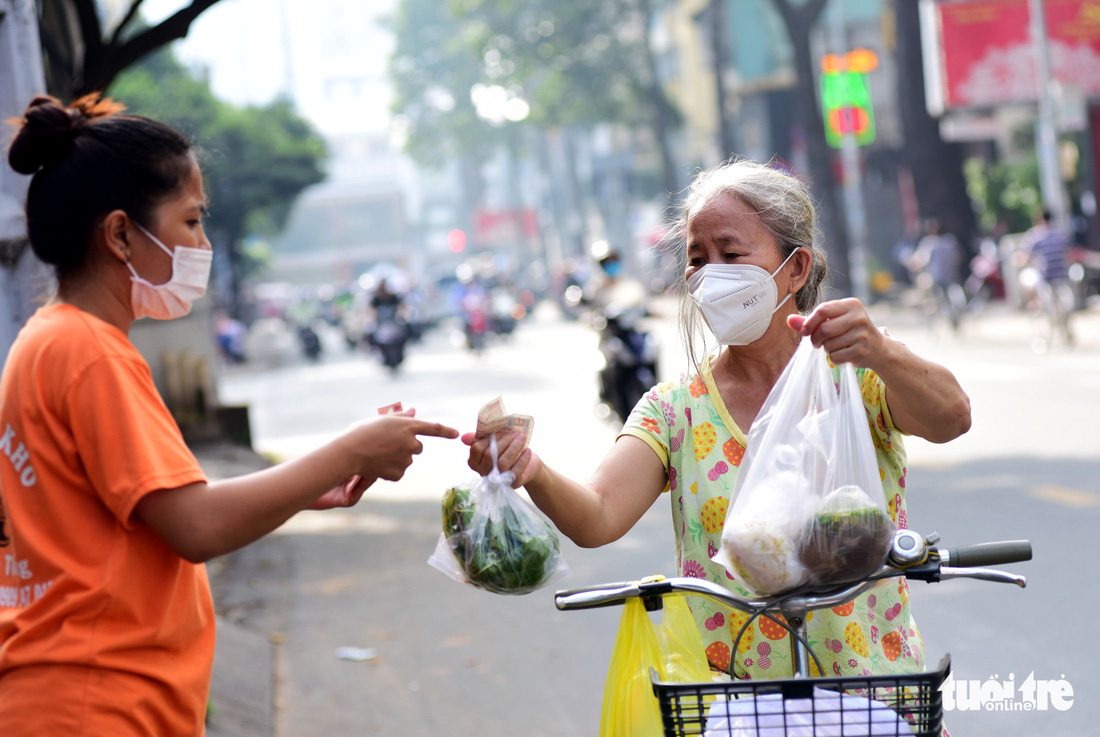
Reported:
(242, 692)
(241, 686)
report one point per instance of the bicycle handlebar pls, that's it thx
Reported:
(935, 564)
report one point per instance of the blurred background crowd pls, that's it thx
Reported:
(381, 170)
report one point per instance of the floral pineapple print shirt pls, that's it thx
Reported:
(688, 426)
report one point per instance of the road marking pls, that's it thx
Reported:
(1065, 496)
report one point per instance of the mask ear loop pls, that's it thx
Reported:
(156, 240)
(780, 268)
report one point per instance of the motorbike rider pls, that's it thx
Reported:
(386, 303)
(618, 301)
(390, 331)
(304, 314)
(611, 286)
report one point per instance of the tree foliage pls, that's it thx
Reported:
(434, 66)
(580, 62)
(256, 160)
(1004, 192)
(575, 62)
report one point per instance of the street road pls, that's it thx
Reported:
(452, 660)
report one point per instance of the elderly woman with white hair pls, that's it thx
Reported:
(754, 224)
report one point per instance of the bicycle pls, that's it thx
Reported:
(854, 705)
(1055, 300)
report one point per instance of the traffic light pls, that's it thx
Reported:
(845, 98)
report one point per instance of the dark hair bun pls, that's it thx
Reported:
(49, 129)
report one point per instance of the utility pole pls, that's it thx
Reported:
(719, 46)
(853, 182)
(23, 278)
(1054, 195)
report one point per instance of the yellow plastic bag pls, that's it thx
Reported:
(682, 649)
(629, 706)
(675, 650)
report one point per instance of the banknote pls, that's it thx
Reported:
(492, 419)
(390, 409)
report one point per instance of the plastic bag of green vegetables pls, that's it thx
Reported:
(495, 539)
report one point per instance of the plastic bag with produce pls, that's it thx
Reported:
(495, 539)
(807, 506)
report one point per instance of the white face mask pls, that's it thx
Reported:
(737, 300)
(190, 273)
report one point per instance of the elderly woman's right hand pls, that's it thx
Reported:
(511, 456)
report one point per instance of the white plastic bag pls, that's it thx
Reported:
(495, 539)
(828, 714)
(808, 504)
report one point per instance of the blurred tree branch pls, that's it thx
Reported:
(80, 56)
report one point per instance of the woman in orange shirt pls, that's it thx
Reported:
(106, 619)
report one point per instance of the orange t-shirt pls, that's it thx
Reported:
(104, 630)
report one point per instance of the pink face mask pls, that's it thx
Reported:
(190, 274)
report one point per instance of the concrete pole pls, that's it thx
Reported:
(23, 278)
(1050, 179)
(853, 182)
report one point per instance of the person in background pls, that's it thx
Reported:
(753, 276)
(612, 286)
(937, 261)
(1045, 247)
(388, 306)
(106, 618)
(1043, 273)
(230, 334)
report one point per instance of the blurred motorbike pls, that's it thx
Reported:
(476, 320)
(310, 340)
(629, 356)
(388, 338)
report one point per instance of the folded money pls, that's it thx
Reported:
(493, 420)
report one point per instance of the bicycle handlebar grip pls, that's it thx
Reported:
(989, 554)
(591, 597)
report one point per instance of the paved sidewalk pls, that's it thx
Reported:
(998, 322)
(242, 697)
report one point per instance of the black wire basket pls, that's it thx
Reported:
(849, 706)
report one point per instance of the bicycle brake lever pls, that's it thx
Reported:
(983, 574)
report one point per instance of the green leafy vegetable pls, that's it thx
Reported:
(502, 547)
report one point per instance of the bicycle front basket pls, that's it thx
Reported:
(849, 706)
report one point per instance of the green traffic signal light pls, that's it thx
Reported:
(846, 107)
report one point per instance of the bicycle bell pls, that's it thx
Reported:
(908, 548)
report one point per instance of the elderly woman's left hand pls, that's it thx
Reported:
(844, 329)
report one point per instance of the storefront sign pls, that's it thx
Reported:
(986, 57)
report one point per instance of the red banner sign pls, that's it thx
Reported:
(987, 57)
